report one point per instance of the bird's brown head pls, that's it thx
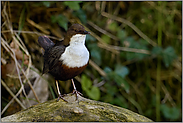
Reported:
(73, 30)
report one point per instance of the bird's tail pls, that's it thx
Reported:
(45, 42)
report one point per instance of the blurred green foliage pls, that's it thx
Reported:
(74, 5)
(61, 20)
(92, 91)
(171, 113)
(131, 77)
(22, 19)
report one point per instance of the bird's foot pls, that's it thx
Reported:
(61, 97)
(77, 93)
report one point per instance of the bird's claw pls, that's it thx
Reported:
(77, 93)
(61, 97)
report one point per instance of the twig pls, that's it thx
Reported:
(8, 49)
(100, 83)
(3, 61)
(101, 72)
(115, 49)
(11, 93)
(103, 31)
(97, 5)
(103, 6)
(136, 89)
(167, 94)
(17, 64)
(12, 101)
(37, 33)
(111, 47)
(28, 68)
(38, 26)
(24, 49)
(130, 25)
(159, 69)
(133, 102)
(9, 10)
(22, 46)
(101, 40)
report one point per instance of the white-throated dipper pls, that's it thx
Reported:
(68, 58)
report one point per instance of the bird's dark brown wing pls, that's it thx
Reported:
(45, 42)
(51, 57)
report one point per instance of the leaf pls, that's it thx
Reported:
(46, 3)
(73, 4)
(172, 113)
(21, 20)
(112, 76)
(91, 38)
(121, 70)
(107, 69)
(157, 50)
(130, 39)
(54, 18)
(111, 90)
(61, 20)
(121, 34)
(113, 26)
(107, 98)
(85, 82)
(81, 15)
(106, 39)
(94, 93)
(63, 24)
(143, 42)
(120, 100)
(95, 54)
(136, 45)
(122, 82)
(169, 55)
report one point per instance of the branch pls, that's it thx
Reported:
(140, 33)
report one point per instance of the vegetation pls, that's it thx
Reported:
(135, 52)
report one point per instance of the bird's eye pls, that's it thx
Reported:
(73, 30)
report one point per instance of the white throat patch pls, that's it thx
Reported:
(76, 54)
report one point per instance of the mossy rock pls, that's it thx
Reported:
(81, 110)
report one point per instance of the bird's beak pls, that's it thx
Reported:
(86, 32)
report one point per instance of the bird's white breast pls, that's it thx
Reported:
(76, 54)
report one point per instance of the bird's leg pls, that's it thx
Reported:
(75, 91)
(60, 96)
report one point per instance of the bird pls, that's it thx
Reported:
(67, 58)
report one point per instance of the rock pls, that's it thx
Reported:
(75, 110)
